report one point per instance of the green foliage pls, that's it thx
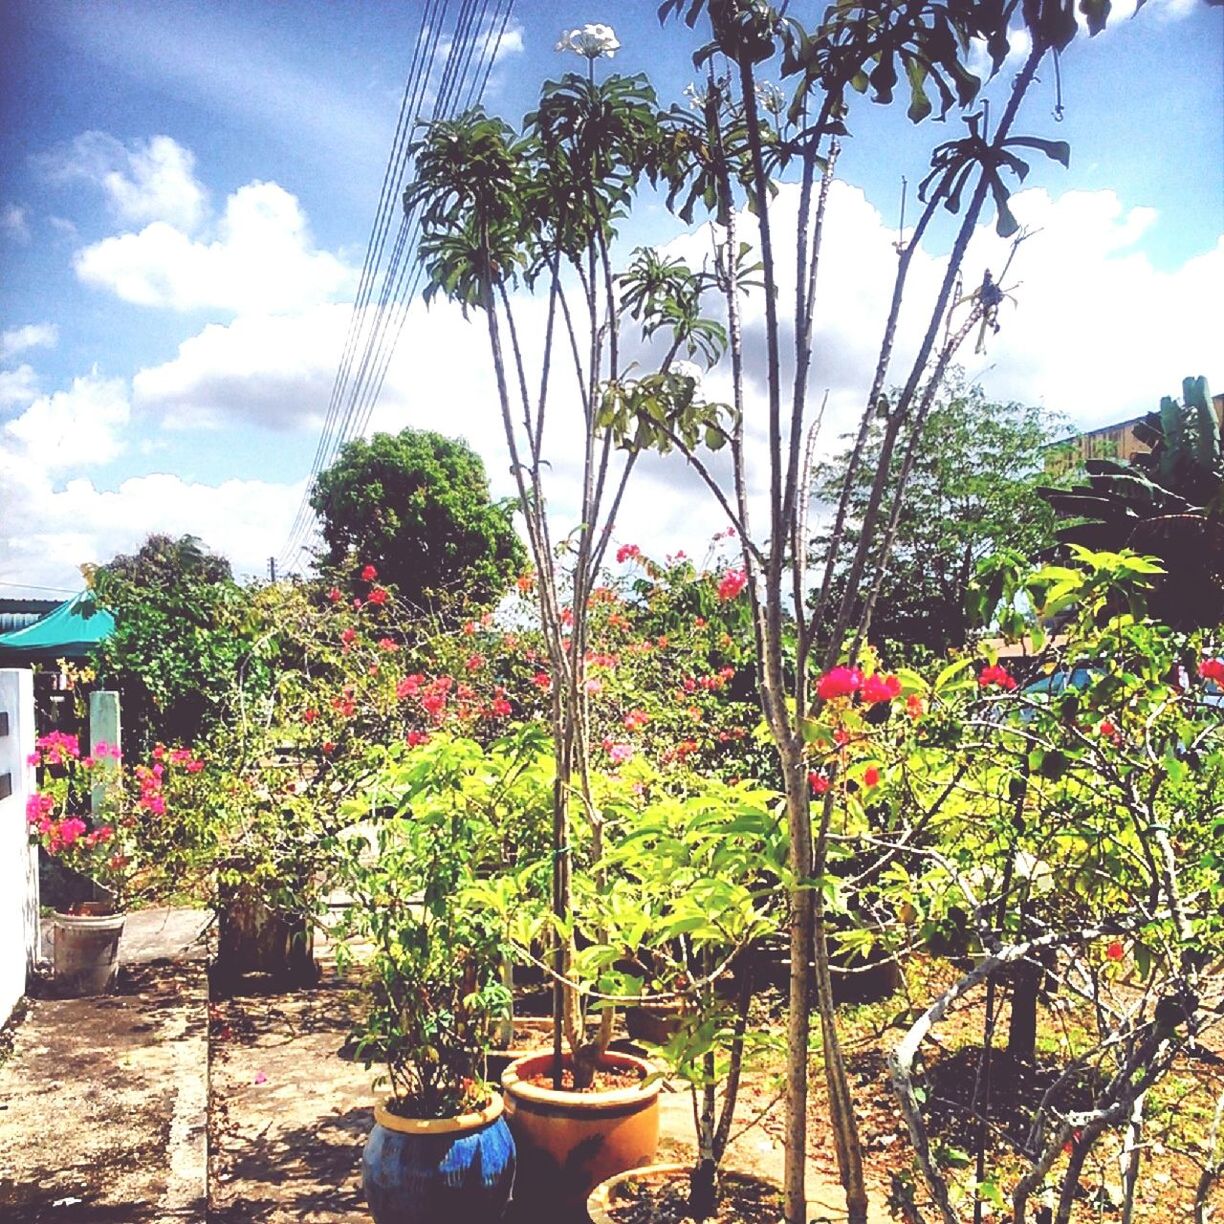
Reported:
(416, 505)
(434, 973)
(972, 493)
(183, 631)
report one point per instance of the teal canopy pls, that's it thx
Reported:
(71, 631)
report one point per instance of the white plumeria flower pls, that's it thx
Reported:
(590, 41)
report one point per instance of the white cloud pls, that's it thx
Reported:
(18, 386)
(151, 180)
(262, 259)
(13, 223)
(30, 335)
(1097, 330)
(71, 428)
(271, 370)
(52, 530)
(510, 43)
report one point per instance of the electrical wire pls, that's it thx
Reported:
(374, 331)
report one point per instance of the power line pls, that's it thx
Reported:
(374, 331)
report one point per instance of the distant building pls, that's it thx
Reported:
(18, 613)
(1109, 442)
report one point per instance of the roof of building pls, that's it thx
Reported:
(70, 630)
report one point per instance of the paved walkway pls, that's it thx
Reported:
(104, 1104)
(150, 1107)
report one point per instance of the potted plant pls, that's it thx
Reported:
(706, 868)
(120, 832)
(440, 1149)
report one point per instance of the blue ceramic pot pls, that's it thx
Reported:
(451, 1170)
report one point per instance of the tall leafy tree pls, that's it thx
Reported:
(972, 492)
(183, 631)
(416, 506)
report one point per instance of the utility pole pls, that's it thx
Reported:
(272, 569)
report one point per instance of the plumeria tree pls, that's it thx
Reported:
(733, 152)
(537, 210)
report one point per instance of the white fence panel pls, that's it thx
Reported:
(18, 858)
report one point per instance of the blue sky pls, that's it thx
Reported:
(186, 192)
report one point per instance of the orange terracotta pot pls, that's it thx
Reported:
(569, 1142)
(601, 1200)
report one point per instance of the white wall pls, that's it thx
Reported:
(18, 859)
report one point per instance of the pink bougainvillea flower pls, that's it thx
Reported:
(871, 776)
(1109, 731)
(334, 595)
(998, 676)
(541, 680)
(818, 782)
(308, 716)
(415, 738)
(915, 707)
(733, 582)
(474, 662)
(618, 753)
(357, 602)
(368, 574)
(388, 644)
(626, 551)
(1115, 950)
(1212, 669)
(594, 686)
(635, 719)
(839, 682)
(349, 636)
(878, 687)
(327, 748)
(378, 595)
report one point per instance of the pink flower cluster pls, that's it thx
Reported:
(1212, 669)
(847, 681)
(996, 675)
(732, 584)
(627, 551)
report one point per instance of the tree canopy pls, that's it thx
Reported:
(972, 492)
(416, 505)
(182, 632)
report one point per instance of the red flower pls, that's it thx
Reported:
(1212, 669)
(914, 706)
(998, 675)
(635, 719)
(369, 574)
(328, 748)
(733, 582)
(871, 776)
(625, 551)
(334, 595)
(525, 582)
(878, 688)
(378, 595)
(839, 682)
(1115, 951)
(541, 680)
(474, 662)
(818, 782)
(308, 716)
(387, 644)
(349, 636)
(500, 708)
(417, 737)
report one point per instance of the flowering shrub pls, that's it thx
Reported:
(124, 830)
(1056, 818)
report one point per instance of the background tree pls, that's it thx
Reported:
(183, 630)
(972, 492)
(416, 505)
